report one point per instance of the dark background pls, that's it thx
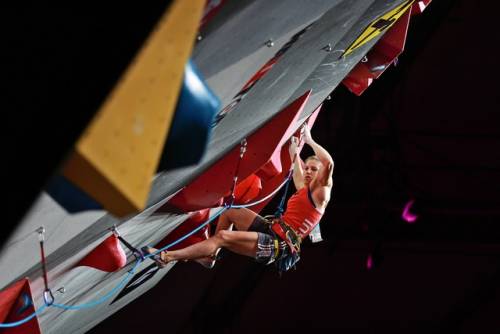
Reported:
(427, 130)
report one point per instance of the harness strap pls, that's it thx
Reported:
(279, 228)
(277, 248)
(292, 238)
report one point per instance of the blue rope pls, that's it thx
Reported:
(117, 287)
(22, 321)
(230, 206)
(265, 198)
(103, 298)
(280, 209)
(190, 233)
(132, 271)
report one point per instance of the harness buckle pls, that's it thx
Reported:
(292, 238)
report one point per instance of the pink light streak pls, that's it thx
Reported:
(369, 262)
(407, 216)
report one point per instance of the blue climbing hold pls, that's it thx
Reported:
(191, 127)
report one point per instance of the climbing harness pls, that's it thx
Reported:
(288, 258)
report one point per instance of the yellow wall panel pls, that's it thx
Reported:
(117, 155)
(380, 25)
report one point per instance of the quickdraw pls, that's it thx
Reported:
(138, 254)
(243, 149)
(48, 297)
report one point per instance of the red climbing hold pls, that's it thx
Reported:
(109, 256)
(16, 303)
(247, 190)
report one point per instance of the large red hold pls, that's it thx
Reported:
(16, 303)
(109, 256)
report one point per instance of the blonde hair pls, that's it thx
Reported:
(313, 157)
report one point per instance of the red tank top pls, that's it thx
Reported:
(301, 214)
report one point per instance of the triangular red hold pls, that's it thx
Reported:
(109, 256)
(16, 303)
(380, 57)
(247, 190)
